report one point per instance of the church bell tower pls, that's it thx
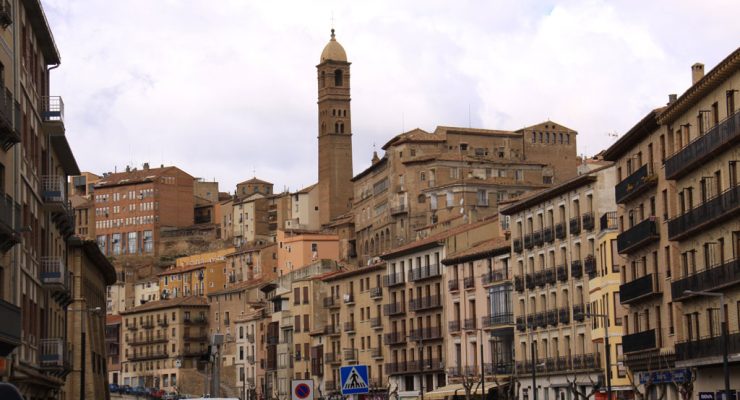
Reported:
(335, 132)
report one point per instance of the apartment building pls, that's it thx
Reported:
(554, 243)
(86, 326)
(424, 179)
(113, 330)
(353, 333)
(256, 261)
(304, 209)
(299, 248)
(197, 275)
(132, 206)
(414, 321)
(678, 201)
(251, 347)
(480, 318)
(146, 290)
(163, 342)
(250, 219)
(83, 184)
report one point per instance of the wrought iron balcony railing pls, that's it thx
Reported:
(637, 182)
(723, 207)
(643, 233)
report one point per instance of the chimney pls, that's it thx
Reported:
(672, 98)
(697, 72)
(128, 169)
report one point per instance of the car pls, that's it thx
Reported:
(113, 388)
(125, 389)
(139, 391)
(157, 393)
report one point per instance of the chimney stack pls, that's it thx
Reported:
(697, 72)
(672, 98)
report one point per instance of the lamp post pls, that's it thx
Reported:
(723, 327)
(607, 350)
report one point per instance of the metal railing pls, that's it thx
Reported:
(494, 320)
(453, 326)
(609, 221)
(52, 109)
(640, 341)
(635, 183)
(53, 188)
(424, 272)
(393, 309)
(718, 208)
(453, 285)
(424, 303)
(639, 288)
(720, 276)
(494, 276)
(393, 279)
(639, 235)
(707, 347)
(376, 292)
(560, 230)
(575, 225)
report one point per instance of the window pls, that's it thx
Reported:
(338, 78)
(116, 240)
(148, 241)
(133, 242)
(482, 197)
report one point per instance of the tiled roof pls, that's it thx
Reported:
(133, 177)
(436, 238)
(195, 301)
(479, 250)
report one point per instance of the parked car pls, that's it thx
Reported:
(125, 389)
(113, 388)
(157, 393)
(139, 391)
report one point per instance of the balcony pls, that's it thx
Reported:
(425, 303)
(198, 320)
(579, 312)
(349, 298)
(163, 323)
(575, 226)
(376, 353)
(589, 221)
(425, 272)
(10, 329)
(332, 358)
(552, 317)
(498, 368)
(540, 320)
(349, 327)
(394, 338)
(537, 238)
(393, 279)
(589, 264)
(349, 355)
(560, 231)
(549, 275)
(521, 326)
(548, 234)
(56, 278)
(528, 242)
(132, 326)
(9, 235)
(195, 337)
(250, 337)
(495, 276)
(719, 138)
(608, 221)
(564, 315)
(497, 320)
(453, 285)
(376, 293)
(639, 289)
(539, 278)
(469, 324)
(54, 356)
(638, 182)
(529, 281)
(562, 273)
(640, 341)
(707, 347)
(469, 282)
(453, 326)
(714, 278)
(431, 333)
(518, 245)
(331, 302)
(638, 236)
(149, 340)
(724, 207)
(393, 309)
(376, 323)
(576, 269)
(9, 136)
(518, 284)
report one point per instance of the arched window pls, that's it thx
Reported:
(338, 78)
(341, 127)
(323, 79)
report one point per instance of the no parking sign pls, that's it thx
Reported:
(302, 389)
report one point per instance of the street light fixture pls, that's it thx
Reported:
(608, 352)
(723, 327)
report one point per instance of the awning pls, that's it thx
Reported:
(450, 390)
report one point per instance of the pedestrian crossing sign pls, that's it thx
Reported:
(354, 379)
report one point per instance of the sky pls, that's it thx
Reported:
(227, 89)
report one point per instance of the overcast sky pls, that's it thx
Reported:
(224, 88)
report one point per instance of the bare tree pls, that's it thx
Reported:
(506, 387)
(468, 382)
(686, 389)
(582, 394)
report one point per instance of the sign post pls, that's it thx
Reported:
(301, 389)
(354, 379)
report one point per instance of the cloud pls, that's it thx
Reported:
(224, 89)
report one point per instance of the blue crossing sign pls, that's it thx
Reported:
(354, 379)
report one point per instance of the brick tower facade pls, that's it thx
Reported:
(335, 132)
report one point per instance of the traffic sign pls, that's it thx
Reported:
(354, 379)
(302, 389)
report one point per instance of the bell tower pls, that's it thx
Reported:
(335, 132)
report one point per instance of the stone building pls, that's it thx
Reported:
(554, 243)
(197, 275)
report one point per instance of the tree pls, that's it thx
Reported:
(579, 394)
(507, 387)
(469, 381)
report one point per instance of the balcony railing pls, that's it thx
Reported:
(608, 221)
(560, 230)
(429, 333)
(53, 189)
(425, 272)
(349, 327)
(576, 269)
(707, 347)
(54, 354)
(469, 282)
(453, 285)
(579, 312)
(564, 315)
(518, 248)
(529, 281)
(518, 284)
(453, 326)
(575, 225)
(639, 181)
(548, 234)
(562, 273)
(9, 135)
(720, 276)
(376, 293)
(528, 241)
(9, 235)
(10, 328)
(376, 323)
(717, 139)
(640, 341)
(395, 338)
(349, 354)
(399, 209)
(588, 221)
(393, 309)
(549, 275)
(495, 320)
(719, 208)
(332, 358)
(521, 325)
(52, 109)
(393, 279)
(424, 303)
(638, 236)
(589, 265)
(376, 352)
(639, 289)
(331, 302)
(552, 317)
(469, 324)
(537, 238)
(494, 276)
(349, 298)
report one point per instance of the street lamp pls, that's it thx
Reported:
(607, 350)
(723, 327)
